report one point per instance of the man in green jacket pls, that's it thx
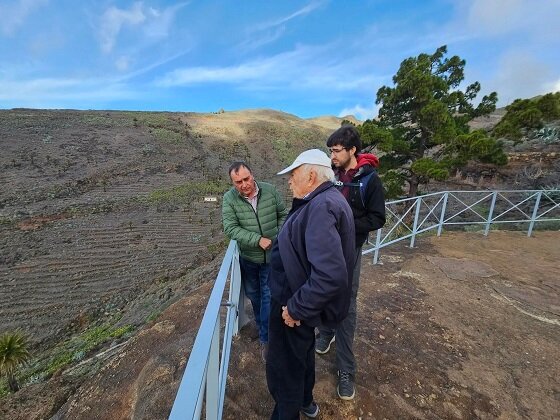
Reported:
(252, 213)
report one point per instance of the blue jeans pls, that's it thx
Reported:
(254, 277)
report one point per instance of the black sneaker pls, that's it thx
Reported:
(311, 411)
(323, 344)
(345, 387)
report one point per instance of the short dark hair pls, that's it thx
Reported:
(346, 136)
(237, 165)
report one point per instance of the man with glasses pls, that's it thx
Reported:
(358, 181)
(252, 213)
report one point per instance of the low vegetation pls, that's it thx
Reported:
(526, 117)
(187, 192)
(14, 352)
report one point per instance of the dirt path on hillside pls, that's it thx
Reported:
(462, 327)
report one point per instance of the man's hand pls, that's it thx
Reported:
(265, 243)
(288, 320)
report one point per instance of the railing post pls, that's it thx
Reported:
(535, 212)
(442, 215)
(213, 375)
(236, 295)
(377, 243)
(490, 213)
(415, 226)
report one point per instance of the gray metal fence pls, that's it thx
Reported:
(509, 209)
(406, 219)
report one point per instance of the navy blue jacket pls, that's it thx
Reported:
(312, 259)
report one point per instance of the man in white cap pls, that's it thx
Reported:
(310, 281)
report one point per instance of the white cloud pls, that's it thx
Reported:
(280, 21)
(267, 32)
(113, 20)
(13, 14)
(553, 86)
(520, 75)
(536, 19)
(150, 24)
(303, 68)
(60, 93)
(122, 63)
(159, 22)
(253, 42)
(361, 112)
(153, 65)
(495, 16)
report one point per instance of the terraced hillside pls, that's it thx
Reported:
(102, 214)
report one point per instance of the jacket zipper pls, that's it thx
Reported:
(257, 217)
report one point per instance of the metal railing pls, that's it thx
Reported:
(206, 370)
(410, 217)
(406, 219)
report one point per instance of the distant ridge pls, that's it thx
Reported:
(329, 121)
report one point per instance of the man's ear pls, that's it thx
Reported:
(312, 176)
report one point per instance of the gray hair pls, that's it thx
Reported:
(323, 173)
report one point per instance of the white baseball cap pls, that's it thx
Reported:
(312, 157)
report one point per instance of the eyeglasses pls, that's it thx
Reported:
(335, 151)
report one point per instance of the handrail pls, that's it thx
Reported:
(204, 369)
(406, 219)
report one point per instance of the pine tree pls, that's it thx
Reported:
(423, 122)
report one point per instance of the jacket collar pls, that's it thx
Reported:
(299, 202)
(245, 198)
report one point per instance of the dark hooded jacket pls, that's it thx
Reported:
(311, 261)
(369, 213)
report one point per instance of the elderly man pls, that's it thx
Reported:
(252, 213)
(310, 281)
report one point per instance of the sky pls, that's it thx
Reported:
(306, 57)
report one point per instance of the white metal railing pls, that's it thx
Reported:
(205, 369)
(409, 217)
(406, 219)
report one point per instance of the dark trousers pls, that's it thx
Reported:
(345, 360)
(254, 277)
(290, 367)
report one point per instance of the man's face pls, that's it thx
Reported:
(243, 182)
(341, 157)
(299, 182)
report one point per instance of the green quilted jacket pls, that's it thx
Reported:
(247, 227)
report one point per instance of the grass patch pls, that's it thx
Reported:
(153, 316)
(166, 135)
(71, 351)
(5, 221)
(4, 390)
(217, 247)
(547, 225)
(98, 120)
(187, 192)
